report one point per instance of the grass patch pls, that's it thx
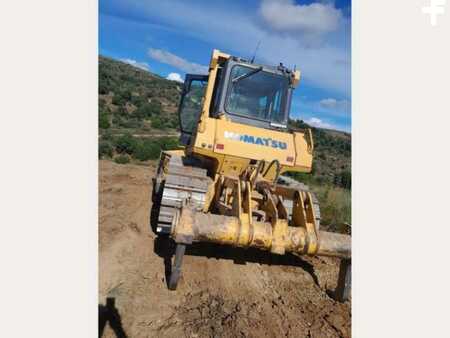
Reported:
(335, 206)
(122, 159)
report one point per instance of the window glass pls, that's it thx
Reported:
(191, 106)
(261, 95)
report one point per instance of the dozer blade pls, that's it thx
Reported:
(194, 226)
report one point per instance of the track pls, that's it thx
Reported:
(178, 180)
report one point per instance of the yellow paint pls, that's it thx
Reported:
(282, 238)
(235, 156)
(218, 142)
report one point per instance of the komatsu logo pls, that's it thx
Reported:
(263, 141)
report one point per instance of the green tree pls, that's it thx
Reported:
(147, 149)
(126, 144)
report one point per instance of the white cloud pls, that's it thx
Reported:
(328, 103)
(166, 57)
(315, 122)
(326, 66)
(287, 16)
(335, 104)
(174, 77)
(134, 63)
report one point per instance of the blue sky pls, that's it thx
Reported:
(175, 37)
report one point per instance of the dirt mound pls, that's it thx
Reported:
(224, 292)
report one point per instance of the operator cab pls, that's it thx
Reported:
(246, 93)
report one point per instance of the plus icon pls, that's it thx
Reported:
(435, 8)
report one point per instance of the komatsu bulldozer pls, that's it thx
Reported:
(226, 185)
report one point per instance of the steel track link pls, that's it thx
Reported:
(177, 181)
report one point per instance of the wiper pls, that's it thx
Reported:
(246, 75)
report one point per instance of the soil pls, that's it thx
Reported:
(223, 292)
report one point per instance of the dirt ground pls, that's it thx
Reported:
(224, 292)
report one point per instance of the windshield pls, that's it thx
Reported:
(261, 95)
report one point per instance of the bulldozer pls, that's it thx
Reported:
(228, 183)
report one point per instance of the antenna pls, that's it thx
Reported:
(256, 49)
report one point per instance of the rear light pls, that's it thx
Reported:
(219, 146)
(290, 159)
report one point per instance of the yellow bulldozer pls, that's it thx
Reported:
(226, 186)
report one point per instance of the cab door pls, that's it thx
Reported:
(191, 104)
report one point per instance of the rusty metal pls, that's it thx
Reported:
(175, 274)
(228, 230)
(342, 292)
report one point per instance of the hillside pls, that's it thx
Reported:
(332, 156)
(131, 98)
(134, 103)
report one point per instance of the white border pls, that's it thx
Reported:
(48, 169)
(401, 110)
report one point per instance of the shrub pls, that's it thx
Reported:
(126, 144)
(106, 135)
(126, 95)
(116, 120)
(103, 120)
(172, 122)
(147, 110)
(343, 179)
(346, 179)
(138, 101)
(122, 159)
(105, 149)
(147, 150)
(335, 206)
(131, 123)
(103, 87)
(156, 123)
(301, 177)
(169, 143)
(121, 111)
(118, 100)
